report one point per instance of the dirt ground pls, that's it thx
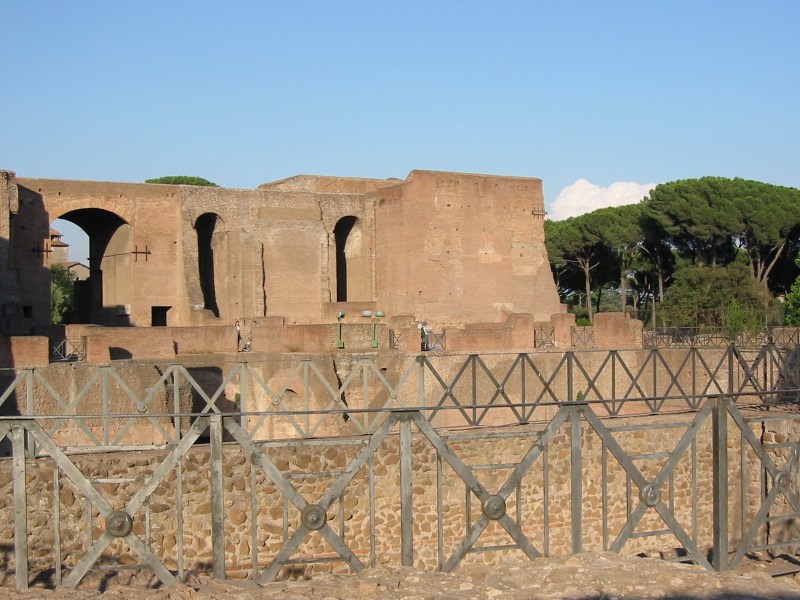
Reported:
(584, 576)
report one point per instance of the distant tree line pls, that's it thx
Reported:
(699, 252)
(182, 180)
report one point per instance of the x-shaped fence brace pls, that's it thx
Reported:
(769, 360)
(119, 523)
(313, 515)
(650, 491)
(364, 421)
(521, 364)
(781, 483)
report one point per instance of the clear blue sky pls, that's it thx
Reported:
(248, 92)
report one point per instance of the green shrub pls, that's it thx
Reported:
(182, 180)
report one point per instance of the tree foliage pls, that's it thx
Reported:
(702, 296)
(770, 218)
(62, 294)
(793, 301)
(575, 244)
(182, 180)
(621, 232)
(710, 220)
(697, 217)
(745, 229)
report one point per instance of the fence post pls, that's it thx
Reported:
(217, 500)
(104, 377)
(30, 411)
(576, 485)
(421, 383)
(720, 482)
(731, 356)
(570, 392)
(406, 501)
(20, 508)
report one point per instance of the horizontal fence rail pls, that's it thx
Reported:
(433, 462)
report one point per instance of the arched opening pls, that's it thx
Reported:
(68, 257)
(353, 265)
(207, 234)
(342, 233)
(103, 288)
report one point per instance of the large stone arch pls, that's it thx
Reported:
(106, 297)
(57, 206)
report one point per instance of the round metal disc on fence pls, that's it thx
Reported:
(314, 517)
(651, 495)
(494, 508)
(119, 523)
(783, 482)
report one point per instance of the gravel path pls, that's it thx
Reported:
(584, 576)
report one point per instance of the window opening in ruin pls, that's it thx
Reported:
(206, 226)
(158, 316)
(341, 233)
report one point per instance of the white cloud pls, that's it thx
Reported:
(584, 196)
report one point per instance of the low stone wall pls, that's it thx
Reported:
(542, 506)
(354, 334)
(29, 350)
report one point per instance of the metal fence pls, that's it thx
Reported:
(614, 492)
(544, 337)
(68, 349)
(395, 339)
(718, 337)
(582, 336)
(308, 396)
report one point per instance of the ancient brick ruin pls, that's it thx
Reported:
(293, 261)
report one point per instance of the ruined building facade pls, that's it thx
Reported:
(450, 248)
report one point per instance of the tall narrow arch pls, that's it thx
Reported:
(352, 261)
(341, 232)
(207, 228)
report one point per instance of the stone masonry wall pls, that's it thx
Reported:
(455, 248)
(9, 291)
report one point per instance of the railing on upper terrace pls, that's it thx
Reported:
(544, 337)
(437, 340)
(395, 339)
(516, 384)
(717, 337)
(68, 349)
(582, 336)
